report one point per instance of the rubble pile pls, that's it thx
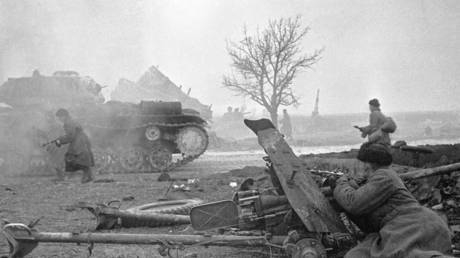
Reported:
(154, 85)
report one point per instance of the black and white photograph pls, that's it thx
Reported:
(229, 128)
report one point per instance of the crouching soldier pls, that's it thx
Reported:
(396, 224)
(79, 155)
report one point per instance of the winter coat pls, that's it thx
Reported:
(397, 225)
(376, 120)
(79, 152)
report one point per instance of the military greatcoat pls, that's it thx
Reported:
(396, 224)
(79, 154)
(376, 121)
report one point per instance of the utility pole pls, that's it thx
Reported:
(315, 112)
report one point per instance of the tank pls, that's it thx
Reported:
(151, 136)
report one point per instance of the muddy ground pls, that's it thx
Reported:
(26, 198)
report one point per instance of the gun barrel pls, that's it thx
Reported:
(48, 143)
(426, 172)
(414, 174)
(24, 240)
(149, 239)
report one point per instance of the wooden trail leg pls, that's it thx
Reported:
(303, 194)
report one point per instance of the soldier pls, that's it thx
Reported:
(78, 155)
(227, 115)
(395, 223)
(238, 115)
(286, 127)
(376, 121)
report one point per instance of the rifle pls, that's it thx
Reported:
(325, 173)
(359, 128)
(50, 142)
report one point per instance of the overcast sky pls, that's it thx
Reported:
(405, 53)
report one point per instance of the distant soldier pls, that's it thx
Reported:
(286, 126)
(238, 116)
(428, 131)
(227, 115)
(79, 155)
(377, 120)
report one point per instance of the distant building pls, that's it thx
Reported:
(315, 112)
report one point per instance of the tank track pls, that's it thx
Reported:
(110, 161)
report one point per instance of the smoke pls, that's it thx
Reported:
(394, 50)
(85, 36)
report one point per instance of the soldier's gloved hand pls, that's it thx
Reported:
(342, 179)
(332, 181)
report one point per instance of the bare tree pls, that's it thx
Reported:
(265, 64)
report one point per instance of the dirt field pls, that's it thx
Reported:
(26, 198)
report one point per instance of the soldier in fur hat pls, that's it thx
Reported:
(79, 155)
(395, 223)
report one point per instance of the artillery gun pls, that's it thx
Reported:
(294, 215)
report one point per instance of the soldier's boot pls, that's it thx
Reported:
(87, 176)
(60, 176)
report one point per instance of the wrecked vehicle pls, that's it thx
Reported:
(143, 137)
(294, 216)
(147, 134)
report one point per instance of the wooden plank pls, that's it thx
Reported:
(303, 194)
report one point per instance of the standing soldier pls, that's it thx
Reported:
(377, 121)
(78, 155)
(286, 127)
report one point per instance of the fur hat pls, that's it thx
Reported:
(62, 112)
(374, 102)
(375, 153)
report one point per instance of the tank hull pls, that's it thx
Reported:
(148, 137)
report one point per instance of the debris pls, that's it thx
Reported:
(104, 180)
(165, 195)
(33, 223)
(181, 188)
(128, 198)
(193, 181)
